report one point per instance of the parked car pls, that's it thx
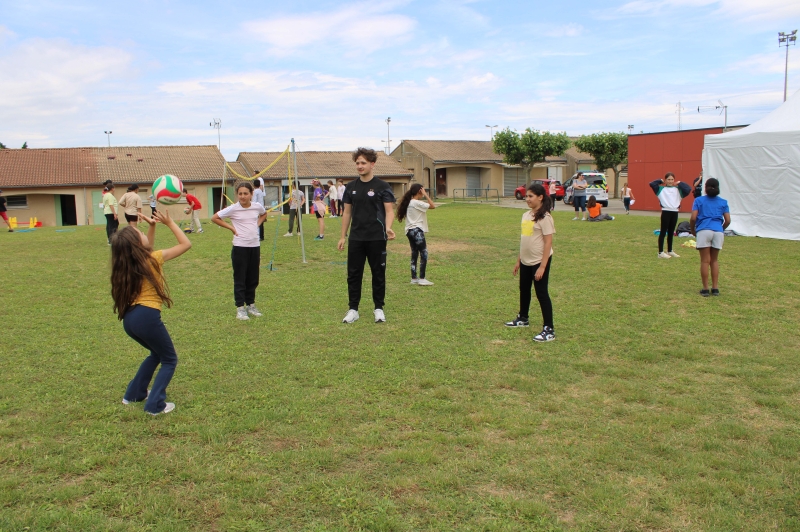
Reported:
(597, 187)
(519, 193)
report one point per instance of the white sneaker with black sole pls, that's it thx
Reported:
(351, 316)
(547, 335)
(517, 322)
(380, 317)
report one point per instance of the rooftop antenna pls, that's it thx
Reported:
(723, 109)
(679, 109)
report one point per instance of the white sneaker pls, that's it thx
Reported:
(288, 234)
(414, 281)
(424, 282)
(351, 316)
(126, 402)
(612, 217)
(253, 311)
(673, 254)
(241, 313)
(663, 255)
(167, 409)
(576, 218)
(380, 317)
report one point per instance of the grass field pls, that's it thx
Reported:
(655, 409)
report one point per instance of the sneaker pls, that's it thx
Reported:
(288, 234)
(253, 311)
(414, 281)
(715, 291)
(167, 409)
(612, 217)
(126, 402)
(424, 282)
(663, 255)
(380, 317)
(200, 232)
(576, 218)
(517, 322)
(11, 231)
(547, 335)
(704, 292)
(241, 313)
(319, 237)
(673, 254)
(351, 316)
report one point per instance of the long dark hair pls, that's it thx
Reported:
(402, 209)
(591, 202)
(131, 264)
(712, 188)
(544, 208)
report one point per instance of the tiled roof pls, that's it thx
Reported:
(578, 155)
(465, 151)
(92, 166)
(321, 164)
(237, 167)
(60, 166)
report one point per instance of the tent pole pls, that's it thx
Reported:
(299, 210)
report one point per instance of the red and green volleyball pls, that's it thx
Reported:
(167, 189)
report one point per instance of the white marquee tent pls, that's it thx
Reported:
(758, 168)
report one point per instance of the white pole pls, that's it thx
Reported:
(299, 209)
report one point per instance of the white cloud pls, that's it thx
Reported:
(568, 30)
(745, 10)
(363, 27)
(771, 63)
(55, 77)
(6, 33)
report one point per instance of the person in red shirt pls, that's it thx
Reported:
(195, 205)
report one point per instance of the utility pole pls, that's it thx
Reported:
(491, 131)
(678, 105)
(388, 137)
(786, 39)
(108, 134)
(630, 129)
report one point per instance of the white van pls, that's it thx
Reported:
(597, 187)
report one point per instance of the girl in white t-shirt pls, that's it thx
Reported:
(533, 261)
(333, 196)
(415, 212)
(246, 216)
(340, 195)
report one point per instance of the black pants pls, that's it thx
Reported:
(111, 225)
(526, 279)
(627, 203)
(261, 231)
(552, 202)
(669, 219)
(359, 252)
(294, 215)
(246, 264)
(419, 250)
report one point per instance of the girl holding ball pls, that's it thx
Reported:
(246, 216)
(139, 290)
(534, 260)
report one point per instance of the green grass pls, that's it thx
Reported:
(655, 409)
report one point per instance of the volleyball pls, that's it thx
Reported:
(167, 189)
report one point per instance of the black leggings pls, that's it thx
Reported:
(246, 263)
(526, 279)
(669, 219)
(111, 226)
(419, 250)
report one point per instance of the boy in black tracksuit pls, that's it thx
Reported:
(368, 213)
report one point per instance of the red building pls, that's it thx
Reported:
(651, 155)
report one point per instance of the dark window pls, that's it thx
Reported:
(17, 202)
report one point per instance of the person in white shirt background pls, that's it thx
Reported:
(414, 210)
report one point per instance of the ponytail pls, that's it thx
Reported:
(402, 208)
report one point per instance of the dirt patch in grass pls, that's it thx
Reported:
(441, 246)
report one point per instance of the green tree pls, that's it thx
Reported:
(25, 145)
(529, 148)
(610, 150)
(2, 146)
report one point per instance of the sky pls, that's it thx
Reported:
(329, 74)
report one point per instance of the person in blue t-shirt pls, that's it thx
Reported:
(710, 217)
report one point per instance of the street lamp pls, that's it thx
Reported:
(491, 130)
(388, 137)
(217, 124)
(108, 134)
(630, 129)
(786, 40)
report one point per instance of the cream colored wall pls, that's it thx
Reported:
(456, 178)
(42, 204)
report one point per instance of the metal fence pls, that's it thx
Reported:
(476, 194)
